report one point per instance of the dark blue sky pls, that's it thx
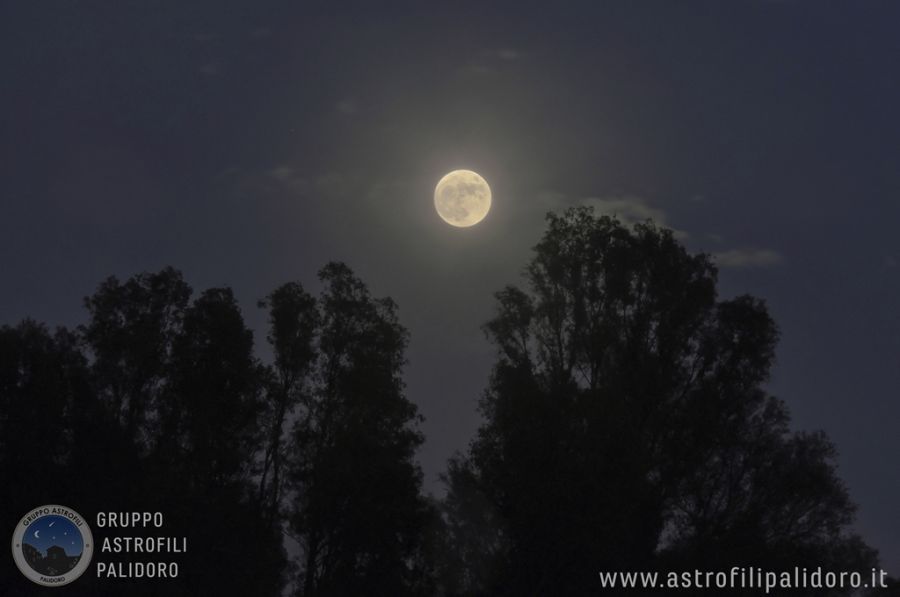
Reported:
(54, 530)
(248, 143)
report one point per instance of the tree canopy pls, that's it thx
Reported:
(158, 403)
(627, 427)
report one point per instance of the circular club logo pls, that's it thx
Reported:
(52, 545)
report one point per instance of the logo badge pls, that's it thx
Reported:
(52, 545)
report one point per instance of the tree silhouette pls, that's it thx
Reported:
(150, 406)
(293, 325)
(158, 403)
(627, 428)
(357, 509)
(892, 589)
(130, 334)
(48, 415)
(182, 380)
(57, 437)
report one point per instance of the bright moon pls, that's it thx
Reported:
(462, 198)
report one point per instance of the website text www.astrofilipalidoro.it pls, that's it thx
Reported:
(746, 578)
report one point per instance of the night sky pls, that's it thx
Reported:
(56, 530)
(249, 143)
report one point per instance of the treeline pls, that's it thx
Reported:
(626, 427)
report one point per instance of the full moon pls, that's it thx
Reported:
(462, 198)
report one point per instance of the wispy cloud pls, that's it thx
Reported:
(475, 70)
(507, 54)
(491, 61)
(632, 209)
(628, 209)
(348, 106)
(327, 185)
(287, 177)
(748, 258)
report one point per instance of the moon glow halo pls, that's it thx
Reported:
(462, 198)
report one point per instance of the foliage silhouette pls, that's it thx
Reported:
(293, 322)
(158, 403)
(627, 428)
(357, 509)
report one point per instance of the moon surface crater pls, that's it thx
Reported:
(462, 198)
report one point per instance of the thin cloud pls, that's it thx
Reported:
(348, 106)
(287, 177)
(628, 208)
(490, 61)
(631, 209)
(508, 54)
(748, 258)
(475, 70)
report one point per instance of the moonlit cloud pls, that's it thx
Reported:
(475, 69)
(508, 54)
(628, 209)
(348, 106)
(490, 62)
(287, 177)
(631, 209)
(748, 258)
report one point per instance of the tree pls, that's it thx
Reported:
(358, 512)
(130, 335)
(214, 393)
(293, 324)
(158, 403)
(43, 389)
(215, 397)
(179, 381)
(56, 436)
(627, 426)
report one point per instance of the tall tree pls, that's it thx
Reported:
(627, 426)
(44, 396)
(293, 325)
(180, 381)
(130, 335)
(57, 438)
(358, 512)
(214, 398)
